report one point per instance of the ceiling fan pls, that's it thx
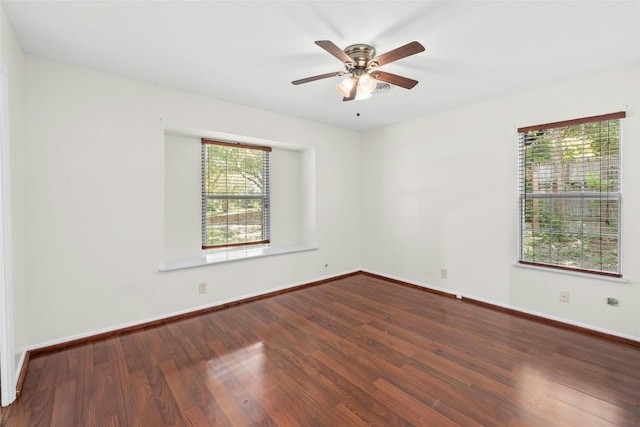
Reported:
(361, 64)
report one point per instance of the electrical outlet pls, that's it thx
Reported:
(202, 287)
(444, 273)
(613, 301)
(564, 296)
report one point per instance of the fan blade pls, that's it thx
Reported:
(395, 79)
(352, 94)
(334, 50)
(395, 54)
(321, 76)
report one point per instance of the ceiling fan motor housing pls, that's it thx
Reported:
(361, 55)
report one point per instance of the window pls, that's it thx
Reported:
(570, 194)
(235, 194)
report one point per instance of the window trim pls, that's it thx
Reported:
(265, 197)
(573, 122)
(565, 123)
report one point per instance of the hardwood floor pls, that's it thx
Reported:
(356, 351)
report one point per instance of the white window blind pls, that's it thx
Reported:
(569, 194)
(235, 194)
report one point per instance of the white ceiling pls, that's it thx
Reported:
(249, 52)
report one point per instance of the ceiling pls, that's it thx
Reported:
(249, 52)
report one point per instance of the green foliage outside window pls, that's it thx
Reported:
(570, 196)
(235, 195)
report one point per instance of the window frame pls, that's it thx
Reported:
(583, 196)
(264, 197)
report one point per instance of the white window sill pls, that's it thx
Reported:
(220, 257)
(573, 273)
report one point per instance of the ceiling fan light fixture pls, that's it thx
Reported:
(344, 87)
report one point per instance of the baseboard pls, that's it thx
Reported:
(409, 283)
(557, 322)
(517, 311)
(22, 371)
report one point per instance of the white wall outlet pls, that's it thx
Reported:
(202, 288)
(444, 273)
(564, 296)
(458, 295)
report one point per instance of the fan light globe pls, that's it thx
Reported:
(345, 87)
(366, 83)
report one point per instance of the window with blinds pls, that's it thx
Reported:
(569, 194)
(235, 194)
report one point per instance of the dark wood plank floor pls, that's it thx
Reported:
(356, 351)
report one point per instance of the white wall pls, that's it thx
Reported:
(11, 61)
(95, 201)
(441, 192)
